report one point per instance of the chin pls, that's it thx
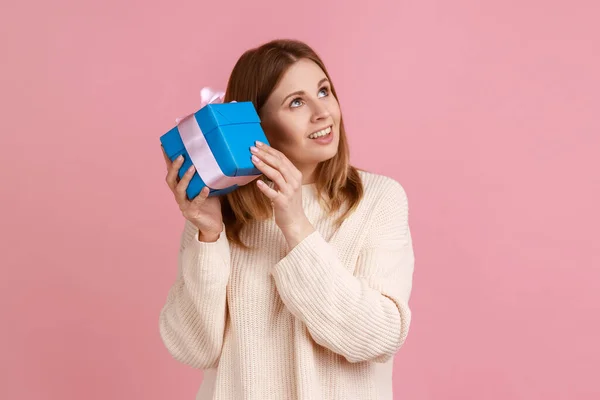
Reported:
(331, 154)
(326, 153)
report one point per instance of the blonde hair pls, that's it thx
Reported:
(254, 77)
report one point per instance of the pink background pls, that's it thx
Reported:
(486, 112)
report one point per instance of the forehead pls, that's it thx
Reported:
(302, 75)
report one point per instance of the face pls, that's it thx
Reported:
(301, 118)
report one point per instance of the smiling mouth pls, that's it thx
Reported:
(321, 133)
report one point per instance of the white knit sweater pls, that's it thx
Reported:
(322, 321)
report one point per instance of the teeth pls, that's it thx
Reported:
(320, 133)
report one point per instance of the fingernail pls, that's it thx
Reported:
(180, 157)
(191, 169)
(253, 149)
(255, 159)
(259, 144)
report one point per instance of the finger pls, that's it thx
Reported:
(267, 152)
(271, 172)
(271, 193)
(173, 173)
(275, 161)
(180, 189)
(280, 161)
(203, 195)
(272, 152)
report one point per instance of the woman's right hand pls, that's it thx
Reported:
(203, 211)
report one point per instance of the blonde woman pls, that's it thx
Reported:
(295, 286)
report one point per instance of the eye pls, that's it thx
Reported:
(297, 102)
(325, 90)
(297, 99)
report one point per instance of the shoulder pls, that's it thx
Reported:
(385, 209)
(382, 191)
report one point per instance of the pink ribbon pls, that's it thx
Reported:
(197, 147)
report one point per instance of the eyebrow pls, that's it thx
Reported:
(301, 92)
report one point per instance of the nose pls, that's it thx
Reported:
(319, 112)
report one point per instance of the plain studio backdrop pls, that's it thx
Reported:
(486, 112)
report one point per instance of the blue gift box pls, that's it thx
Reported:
(223, 133)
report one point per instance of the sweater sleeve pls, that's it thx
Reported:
(192, 321)
(361, 315)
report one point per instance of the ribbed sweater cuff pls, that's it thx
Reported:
(207, 261)
(308, 262)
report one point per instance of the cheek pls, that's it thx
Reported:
(335, 111)
(284, 133)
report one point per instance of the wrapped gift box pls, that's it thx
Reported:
(216, 140)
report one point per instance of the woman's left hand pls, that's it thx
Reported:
(286, 196)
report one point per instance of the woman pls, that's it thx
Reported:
(295, 286)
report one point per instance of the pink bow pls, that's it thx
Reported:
(207, 96)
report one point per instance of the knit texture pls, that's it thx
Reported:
(320, 321)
